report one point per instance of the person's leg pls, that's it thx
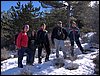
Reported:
(79, 45)
(57, 47)
(20, 57)
(34, 50)
(63, 48)
(39, 53)
(47, 47)
(29, 56)
(72, 48)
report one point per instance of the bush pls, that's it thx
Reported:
(4, 54)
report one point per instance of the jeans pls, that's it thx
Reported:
(47, 47)
(78, 44)
(33, 55)
(21, 54)
(60, 44)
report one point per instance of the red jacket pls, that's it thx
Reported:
(22, 40)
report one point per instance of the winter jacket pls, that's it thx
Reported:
(74, 33)
(42, 37)
(32, 43)
(22, 40)
(59, 33)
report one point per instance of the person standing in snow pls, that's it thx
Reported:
(32, 45)
(22, 45)
(43, 42)
(74, 34)
(59, 34)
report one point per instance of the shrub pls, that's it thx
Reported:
(4, 54)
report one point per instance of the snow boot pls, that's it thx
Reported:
(39, 60)
(83, 52)
(46, 59)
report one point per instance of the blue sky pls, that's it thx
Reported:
(5, 5)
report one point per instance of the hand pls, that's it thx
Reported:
(18, 48)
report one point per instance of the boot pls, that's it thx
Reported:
(72, 50)
(47, 58)
(83, 51)
(39, 60)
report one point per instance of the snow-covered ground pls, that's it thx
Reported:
(85, 65)
(85, 62)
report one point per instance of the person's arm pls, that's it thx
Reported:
(65, 32)
(78, 32)
(18, 41)
(47, 38)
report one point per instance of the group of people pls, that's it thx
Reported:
(39, 40)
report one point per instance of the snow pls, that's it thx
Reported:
(84, 64)
(90, 34)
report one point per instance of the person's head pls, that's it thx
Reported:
(59, 23)
(73, 24)
(26, 28)
(43, 26)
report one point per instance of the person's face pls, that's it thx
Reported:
(43, 27)
(26, 29)
(60, 24)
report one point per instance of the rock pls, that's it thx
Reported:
(72, 66)
(58, 63)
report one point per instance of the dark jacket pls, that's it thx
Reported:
(42, 37)
(59, 33)
(32, 43)
(74, 33)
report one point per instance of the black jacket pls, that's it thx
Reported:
(42, 37)
(59, 33)
(74, 33)
(32, 42)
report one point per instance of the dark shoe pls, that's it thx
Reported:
(29, 64)
(84, 52)
(39, 61)
(57, 56)
(72, 54)
(65, 57)
(20, 66)
(47, 59)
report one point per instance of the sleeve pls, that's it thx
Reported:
(65, 32)
(78, 32)
(69, 31)
(47, 38)
(18, 40)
